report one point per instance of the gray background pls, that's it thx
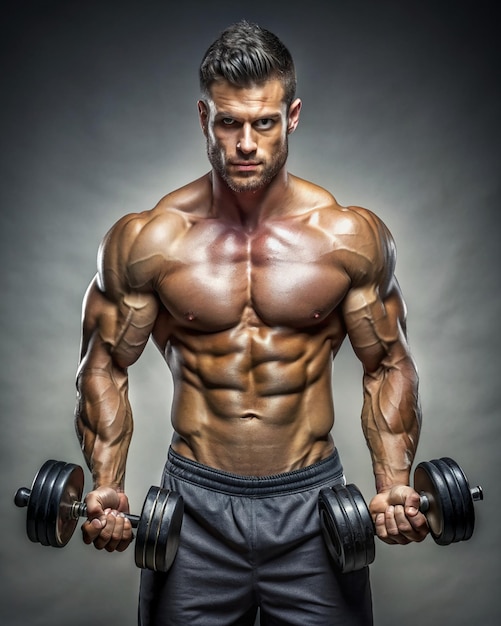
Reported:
(401, 115)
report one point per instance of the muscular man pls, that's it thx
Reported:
(248, 280)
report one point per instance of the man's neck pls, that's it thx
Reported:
(248, 209)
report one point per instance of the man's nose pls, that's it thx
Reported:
(247, 142)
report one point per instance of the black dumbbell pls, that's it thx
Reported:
(446, 500)
(54, 506)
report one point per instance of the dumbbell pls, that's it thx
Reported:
(445, 499)
(54, 506)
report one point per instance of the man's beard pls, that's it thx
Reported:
(270, 169)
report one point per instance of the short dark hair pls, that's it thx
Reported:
(245, 54)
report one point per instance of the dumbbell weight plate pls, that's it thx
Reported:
(150, 539)
(347, 527)
(458, 524)
(158, 529)
(43, 503)
(34, 500)
(430, 481)
(468, 507)
(67, 489)
(335, 527)
(366, 529)
(463, 519)
(169, 532)
(56, 487)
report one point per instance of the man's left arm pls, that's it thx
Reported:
(375, 317)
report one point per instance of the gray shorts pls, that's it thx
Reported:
(249, 543)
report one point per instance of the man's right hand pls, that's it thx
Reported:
(106, 526)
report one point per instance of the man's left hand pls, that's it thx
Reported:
(396, 515)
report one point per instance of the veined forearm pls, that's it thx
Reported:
(104, 426)
(391, 420)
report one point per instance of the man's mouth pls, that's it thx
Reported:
(245, 166)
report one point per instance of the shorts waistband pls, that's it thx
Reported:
(327, 470)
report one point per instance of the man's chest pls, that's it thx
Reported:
(288, 276)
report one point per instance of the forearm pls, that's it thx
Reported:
(391, 420)
(103, 420)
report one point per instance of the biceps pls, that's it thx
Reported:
(376, 326)
(115, 332)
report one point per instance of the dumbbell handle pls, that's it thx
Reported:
(78, 509)
(424, 502)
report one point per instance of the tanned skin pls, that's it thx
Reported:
(248, 280)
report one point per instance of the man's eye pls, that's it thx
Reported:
(228, 121)
(265, 123)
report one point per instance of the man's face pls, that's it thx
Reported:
(246, 131)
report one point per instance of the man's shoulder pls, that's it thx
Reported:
(190, 199)
(365, 222)
(359, 237)
(331, 213)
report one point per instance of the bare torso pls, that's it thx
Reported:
(249, 321)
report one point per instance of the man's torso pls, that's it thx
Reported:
(249, 322)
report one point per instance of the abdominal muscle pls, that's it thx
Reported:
(253, 400)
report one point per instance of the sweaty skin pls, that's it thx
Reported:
(248, 280)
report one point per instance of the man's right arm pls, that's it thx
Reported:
(117, 322)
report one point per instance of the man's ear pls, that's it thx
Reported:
(203, 115)
(293, 117)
